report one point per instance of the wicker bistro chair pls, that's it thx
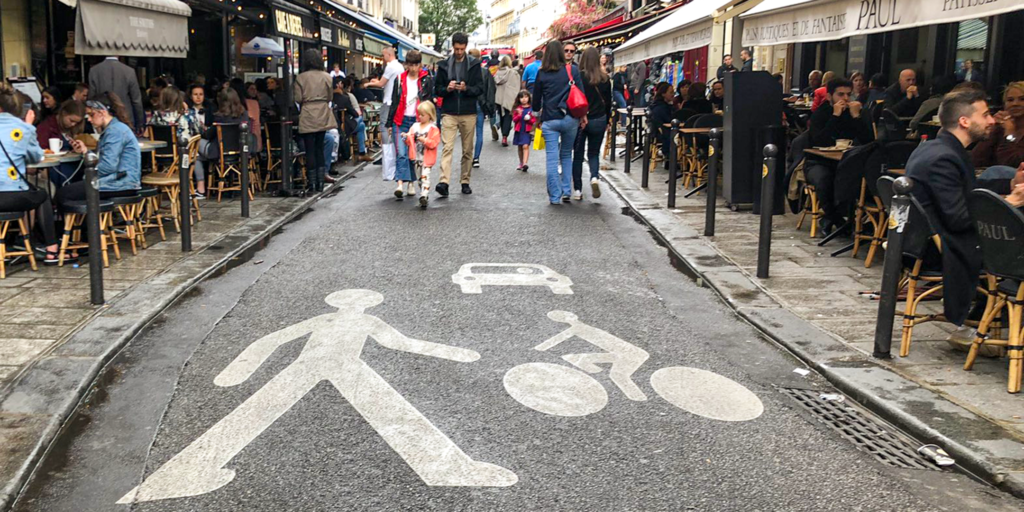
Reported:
(129, 211)
(272, 145)
(698, 164)
(166, 164)
(74, 217)
(1000, 229)
(227, 168)
(919, 239)
(6, 218)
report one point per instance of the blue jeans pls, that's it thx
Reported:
(479, 132)
(559, 136)
(329, 143)
(620, 102)
(591, 137)
(361, 134)
(998, 172)
(403, 167)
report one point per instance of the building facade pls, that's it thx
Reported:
(504, 31)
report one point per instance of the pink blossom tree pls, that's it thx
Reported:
(579, 16)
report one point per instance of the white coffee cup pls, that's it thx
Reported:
(843, 143)
(935, 119)
(55, 145)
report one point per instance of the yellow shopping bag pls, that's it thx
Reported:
(538, 140)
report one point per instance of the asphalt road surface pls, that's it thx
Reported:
(408, 393)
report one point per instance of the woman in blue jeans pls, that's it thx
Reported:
(550, 92)
(597, 86)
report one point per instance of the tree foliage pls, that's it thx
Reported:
(446, 17)
(579, 16)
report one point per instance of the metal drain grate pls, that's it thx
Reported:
(866, 433)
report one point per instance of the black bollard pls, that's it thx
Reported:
(185, 195)
(243, 135)
(673, 163)
(712, 183)
(645, 141)
(892, 267)
(615, 123)
(92, 223)
(764, 243)
(286, 158)
(629, 139)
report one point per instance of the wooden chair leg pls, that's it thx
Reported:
(908, 318)
(1013, 350)
(991, 313)
(69, 225)
(814, 215)
(26, 238)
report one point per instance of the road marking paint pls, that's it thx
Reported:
(331, 353)
(706, 394)
(527, 274)
(555, 389)
(624, 357)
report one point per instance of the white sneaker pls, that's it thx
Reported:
(577, 195)
(412, 190)
(595, 187)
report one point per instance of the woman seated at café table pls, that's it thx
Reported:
(120, 166)
(229, 111)
(18, 149)
(1003, 152)
(68, 123)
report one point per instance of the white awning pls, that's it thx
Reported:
(131, 28)
(385, 30)
(262, 47)
(687, 28)
(804, 21)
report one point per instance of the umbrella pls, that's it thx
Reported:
(262, 47)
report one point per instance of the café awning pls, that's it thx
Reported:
(383, 31)
(687, 28)
(131, 28)
(806, 21)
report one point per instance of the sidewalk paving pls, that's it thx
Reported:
(53, 342)
(813, 305)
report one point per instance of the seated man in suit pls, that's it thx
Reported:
(838, 118)
(943, 176)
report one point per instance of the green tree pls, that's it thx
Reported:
(446, 17)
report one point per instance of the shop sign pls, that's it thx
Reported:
(326, 35)
(293, 25)
(344, 39)
(844, 18)
(359, 44)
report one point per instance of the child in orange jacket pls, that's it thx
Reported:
(422, 140)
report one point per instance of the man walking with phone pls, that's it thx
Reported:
(459, 84)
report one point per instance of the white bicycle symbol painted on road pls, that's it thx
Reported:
(563, 391)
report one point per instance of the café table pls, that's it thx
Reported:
(636, 127)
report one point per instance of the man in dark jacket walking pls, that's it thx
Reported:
(943, 177)
(458, 84)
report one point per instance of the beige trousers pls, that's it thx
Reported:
(450, 126)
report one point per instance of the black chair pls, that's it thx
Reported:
(227, 175)
(697, 171)
(1000, 228)
(890, 127)
(129, 209)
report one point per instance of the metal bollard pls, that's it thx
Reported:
(892, 267)
(672, 163)
(615, 123)
(645, 141)
(185, 196)
(92, 223)
(764, 243)
(712, 183)
(286, 158)
(243, 135)
(629, 139)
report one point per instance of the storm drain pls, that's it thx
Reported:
(858, 427)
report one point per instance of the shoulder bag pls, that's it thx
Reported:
(577, 101)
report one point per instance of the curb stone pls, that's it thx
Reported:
(49, 391)
(984, 449)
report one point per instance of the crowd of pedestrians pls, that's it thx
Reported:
(561, 100)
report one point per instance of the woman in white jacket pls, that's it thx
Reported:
(509, 84)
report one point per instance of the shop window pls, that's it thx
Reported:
(906, 45)
(971, 43)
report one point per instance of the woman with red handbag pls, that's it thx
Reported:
(559, 103)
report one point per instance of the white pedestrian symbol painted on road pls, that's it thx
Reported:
(472, 279)
(562, 391)
(332, 353)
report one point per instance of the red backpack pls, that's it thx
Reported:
(577, 100)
